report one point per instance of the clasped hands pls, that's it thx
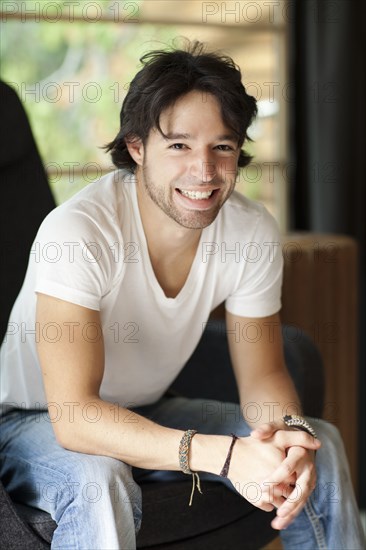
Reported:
(274, 468)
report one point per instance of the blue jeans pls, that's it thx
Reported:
(96, 500)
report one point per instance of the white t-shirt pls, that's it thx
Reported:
(92, 251)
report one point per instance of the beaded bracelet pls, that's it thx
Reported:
(300, 423)
(184, 446)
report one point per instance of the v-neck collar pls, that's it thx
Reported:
(144, 251)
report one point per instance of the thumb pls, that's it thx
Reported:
(264, 431)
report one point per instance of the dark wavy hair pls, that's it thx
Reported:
(169, 74)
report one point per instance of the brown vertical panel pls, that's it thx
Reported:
(320, 297)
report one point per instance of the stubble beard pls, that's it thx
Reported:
(194, 219)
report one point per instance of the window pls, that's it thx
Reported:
(71, 63)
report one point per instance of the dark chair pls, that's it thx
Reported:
(221, 519)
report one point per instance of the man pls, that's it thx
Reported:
(117, 293)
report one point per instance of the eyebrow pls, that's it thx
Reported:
(222, 137)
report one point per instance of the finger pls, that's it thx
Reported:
(265, 506)
(298, 438)
(292, 507)
(301, 492)
(277, 502)
(275, 494)
(269, 501)
(282, 522)
(285, 470)
(291, 511)
(263, 498)
(294, 502)
(287, 489)
(305, 484)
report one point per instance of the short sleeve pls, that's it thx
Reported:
(258, 292)
(73, 256)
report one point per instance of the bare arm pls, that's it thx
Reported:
(72, 370)
(265, 388)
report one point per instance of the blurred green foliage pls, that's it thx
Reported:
(72, 77)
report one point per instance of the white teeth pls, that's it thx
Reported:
(197, 195)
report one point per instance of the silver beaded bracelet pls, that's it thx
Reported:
(299, 422)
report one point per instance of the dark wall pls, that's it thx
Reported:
(328, 137)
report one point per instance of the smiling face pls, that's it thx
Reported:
(190, 173)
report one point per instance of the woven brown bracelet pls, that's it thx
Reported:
(184, 446)
(225, 469)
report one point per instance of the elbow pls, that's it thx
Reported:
(67, 437)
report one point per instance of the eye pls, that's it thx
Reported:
(177, 146)
(224, 147)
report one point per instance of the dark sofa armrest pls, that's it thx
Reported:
(11, 522)
(209, 374)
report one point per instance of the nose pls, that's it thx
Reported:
(203, 167)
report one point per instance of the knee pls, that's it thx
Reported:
(102, 478)
(91, 479)
(331, 458)
(100, 487)
(328, 434)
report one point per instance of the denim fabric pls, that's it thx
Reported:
(93, 499)
(96, 500)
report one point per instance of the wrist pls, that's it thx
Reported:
(298, 422)
(208, 452)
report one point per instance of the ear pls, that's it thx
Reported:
(136, 149)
